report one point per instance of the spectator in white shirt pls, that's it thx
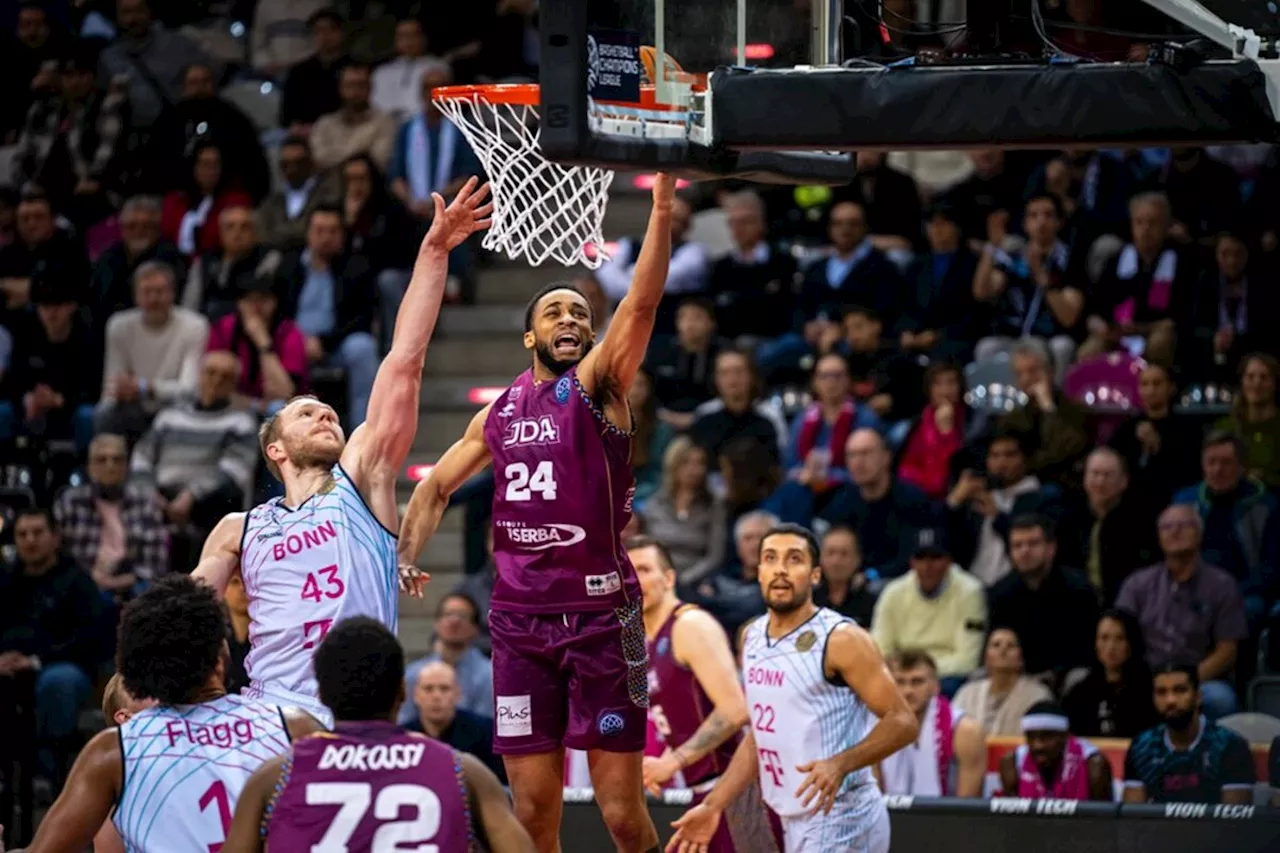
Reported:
(395, 82)
(152, 353)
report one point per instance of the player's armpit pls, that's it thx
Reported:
(854, 656)
(220, 556)
(971, 758)
(86, 800)
(301, 724)
(245, 835)
(612, 365)
(466, 458)
(496, 821)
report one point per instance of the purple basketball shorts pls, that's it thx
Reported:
(574, 679)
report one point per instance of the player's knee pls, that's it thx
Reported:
(540, 819)
(628, 822)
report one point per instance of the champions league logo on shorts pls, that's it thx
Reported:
(562, 390)
(610, 724)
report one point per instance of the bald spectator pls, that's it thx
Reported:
(150, 59)
(1189, 610)
(1053, 426)
(754, 286)
(937, 608)
(457, 625)
(844, 588)
(152, 356)
(1115, 530)
(201, 456)
(356, 127)
(883, 510)
(1240, 522)
(435, 698)
(113, 526)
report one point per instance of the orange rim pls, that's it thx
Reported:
(526, 94)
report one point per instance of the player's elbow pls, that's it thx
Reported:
(735, 712)
(904, 726)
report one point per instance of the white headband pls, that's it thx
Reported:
(1044, 723)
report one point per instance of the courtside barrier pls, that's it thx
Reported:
(1005, 825)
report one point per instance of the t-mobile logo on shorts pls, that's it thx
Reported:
(603, 584)
(515, 716)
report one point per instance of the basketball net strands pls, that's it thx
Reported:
(550, 148)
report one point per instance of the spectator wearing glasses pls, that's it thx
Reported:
(111, 526)
(457, 625)
(1189, 610)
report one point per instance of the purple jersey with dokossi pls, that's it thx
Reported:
(562, 495)
(678, 704)
(369, 786)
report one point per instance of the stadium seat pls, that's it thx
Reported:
(1264, 695)
(1253, 726)
(260, 101)
(992, 387)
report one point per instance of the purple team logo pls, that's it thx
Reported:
(562, 390)
(610, 724)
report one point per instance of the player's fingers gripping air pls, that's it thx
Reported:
(412, 580)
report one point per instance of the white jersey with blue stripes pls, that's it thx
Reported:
(798, 716)
(184, 769)
(304, 570)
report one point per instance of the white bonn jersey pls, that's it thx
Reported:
(305, 569)
(797, 717)
(184, 769)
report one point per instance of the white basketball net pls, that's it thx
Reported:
(542, 209)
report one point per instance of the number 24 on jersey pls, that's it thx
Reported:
(523, 484)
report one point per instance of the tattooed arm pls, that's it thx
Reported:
(699, 643)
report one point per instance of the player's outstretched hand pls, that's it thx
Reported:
(694, 830)
(821, 785)
(412, 580)
(464, 216)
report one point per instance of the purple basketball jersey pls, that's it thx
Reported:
(369, 786)
(562, 494)
(678, 704)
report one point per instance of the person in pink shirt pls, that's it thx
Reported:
(271, 349)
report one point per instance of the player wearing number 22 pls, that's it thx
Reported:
(170, 776)
(565, 620)
(326, 550)
(830, 711)
(369, 786)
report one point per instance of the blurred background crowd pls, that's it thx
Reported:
(1027, 400)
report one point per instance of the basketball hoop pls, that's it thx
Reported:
(542, 209)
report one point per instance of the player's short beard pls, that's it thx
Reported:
(791, 605)
(307, 455)
(558, 367)
(1179, 720)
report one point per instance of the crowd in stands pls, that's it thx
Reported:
(1027, 400)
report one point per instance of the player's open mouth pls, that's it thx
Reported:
(783, 587)
(565, 343)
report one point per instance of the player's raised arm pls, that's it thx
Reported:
(245, 834)
(613, 364)
(500, 830)
(379, 448)
(466, 458)
(86, 800)
(704, 649)
(220, 556)
(854, 656)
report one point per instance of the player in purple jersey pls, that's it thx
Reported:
(565, 622)
(696, 704)
(172, 647)
(304, 442)
(369, 785)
